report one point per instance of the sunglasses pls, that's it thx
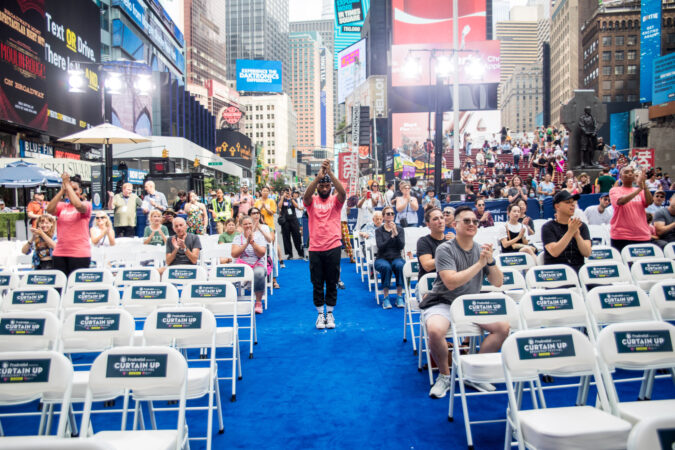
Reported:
(447, 213)
(388, 214)
(660, 195)
(470, 222)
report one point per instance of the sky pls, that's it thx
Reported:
(304, 10)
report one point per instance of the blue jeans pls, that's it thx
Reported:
(468, 150)
(385, 268)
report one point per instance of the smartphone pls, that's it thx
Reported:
(369, 194)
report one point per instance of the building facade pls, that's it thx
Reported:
(565, 45)
(522, 99)
(519, 48)
(205, 41)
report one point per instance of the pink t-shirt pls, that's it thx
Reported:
(629, 221)
(72, 231)
(324, 223)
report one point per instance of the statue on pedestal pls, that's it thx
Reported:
(583, 115)
(589, 138)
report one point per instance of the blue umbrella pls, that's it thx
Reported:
(22, 174)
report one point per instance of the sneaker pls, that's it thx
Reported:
(282, 265)
(341, 285)
(330, 321)
(400, 303)
(258, 308)
(386, 304)
(321, 322)
(481, 387)
(440, 387)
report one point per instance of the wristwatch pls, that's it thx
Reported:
(491, 264)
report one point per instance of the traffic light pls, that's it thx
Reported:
(165, 153)
(196, 164)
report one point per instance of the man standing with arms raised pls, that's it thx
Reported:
(325, 242)
(629, 222)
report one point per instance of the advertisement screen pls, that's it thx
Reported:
(347, 34)
(41, 41)
(663, 89)
(234, 146)
(650, 45)
(351, 69)
(348, 11)
(258, 76)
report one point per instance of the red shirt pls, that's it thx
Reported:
(325, 231)
(72, 231)
(35, 207)
(629, 221)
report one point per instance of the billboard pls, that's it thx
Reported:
(351, 69)
(650, 45)
(619, 128)
(347, 34)
(663, 87)
(40, 42)
(348, 11)
(234, 146)
(323, 62)
(258, 75)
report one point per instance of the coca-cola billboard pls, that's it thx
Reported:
(231, 115)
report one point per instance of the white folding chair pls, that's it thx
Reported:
(669, 250)
(29, 330)
(98, 256)
(140, 299)
(641, 346)
(604, 252)
(44, 278)
(635, 252)
(134, 275)
(599, 235)
(94, 295)
(410, 271)
(564, 352)
(51, 443)
(219, 297)
(653, 433)
(371, 273)
(210, 256)
(554, 276)
(649, 271)
(513, 284)
(467, 312)
(616, 304)
(152, 255)
(138, 369)
(30, 375)
(547, 308)
(186, 328)
(241, 276)
(181, 274)
(424, 286)
(8, 281)
(519, 261)
(87, 276)
(603, 273)
(122, 256)
(32, 299)
(662, 295)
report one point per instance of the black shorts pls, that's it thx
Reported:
(491, 164)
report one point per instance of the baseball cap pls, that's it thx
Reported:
(563, 196)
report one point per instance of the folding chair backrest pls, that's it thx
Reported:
(32, 298)
(93, 295)
(546, 308)
(560, 350)
(218, 296)
(518, 261)
(604, 252)
(184, 327)
(234, 273)
(425, 284)
(29, 330)
(653, 432)
(637, 345)
(8, 281)
(410, 270)
(88, 276)
(552, 276)
(599, 235)
(182, 274)
(646, 272)
(471, 309)
(32, 374)
(97, 330)
(44, 278)
(662, 295)
(613, 304)
(134, 275)
(596, 273)
(669, 250)
(141, 298)
(513, 280)
(634, 252)
(209, 256)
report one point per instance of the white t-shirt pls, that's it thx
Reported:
(595, 218)
(578, 212)
(514, 229)
(96, 232)
(653, 185)
(516, 151)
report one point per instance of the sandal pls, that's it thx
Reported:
(276, 285)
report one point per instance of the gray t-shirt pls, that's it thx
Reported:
(663, 215)
(450, 256)
(191, 242)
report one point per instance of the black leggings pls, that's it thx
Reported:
(324, 268)
(68, 264)
(619, 244)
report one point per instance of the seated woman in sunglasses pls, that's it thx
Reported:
(390, 240)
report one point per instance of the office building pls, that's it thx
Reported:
(522, 99)
(205, 41)
(565, 49)
(519, 47)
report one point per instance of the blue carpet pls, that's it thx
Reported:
(353, 387)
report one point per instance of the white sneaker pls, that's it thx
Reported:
(440, 387)
(481, 387)
(330, 320)
(321, 322)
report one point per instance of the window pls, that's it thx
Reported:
(631, 54)
(618, 41)
(618, 98)
(606, 85)
(618, 70)
(618, 55)
(632, 39)
(606, 98)
(607, 41)
(606, 56)
(631, 70)
(631, 98)
(618, 84)
(607, 70)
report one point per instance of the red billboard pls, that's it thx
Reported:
(645, 156)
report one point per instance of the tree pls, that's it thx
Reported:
(279, 183)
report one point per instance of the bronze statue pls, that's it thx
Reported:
(588, 142)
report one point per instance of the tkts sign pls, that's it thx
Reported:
(645, 156)
(348, 163)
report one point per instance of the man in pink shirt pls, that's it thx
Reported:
(629, 222)
(325, 243)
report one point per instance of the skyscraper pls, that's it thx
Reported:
(565, 47)
(205, 41)
(257, 29)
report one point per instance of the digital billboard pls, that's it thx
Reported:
(348, 11)
(650, 45)
(351, 69)
(234, 146)
(663, 88)
(258, 75)
(347, 34)
(41, 41)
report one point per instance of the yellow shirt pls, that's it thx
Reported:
(267, 217)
